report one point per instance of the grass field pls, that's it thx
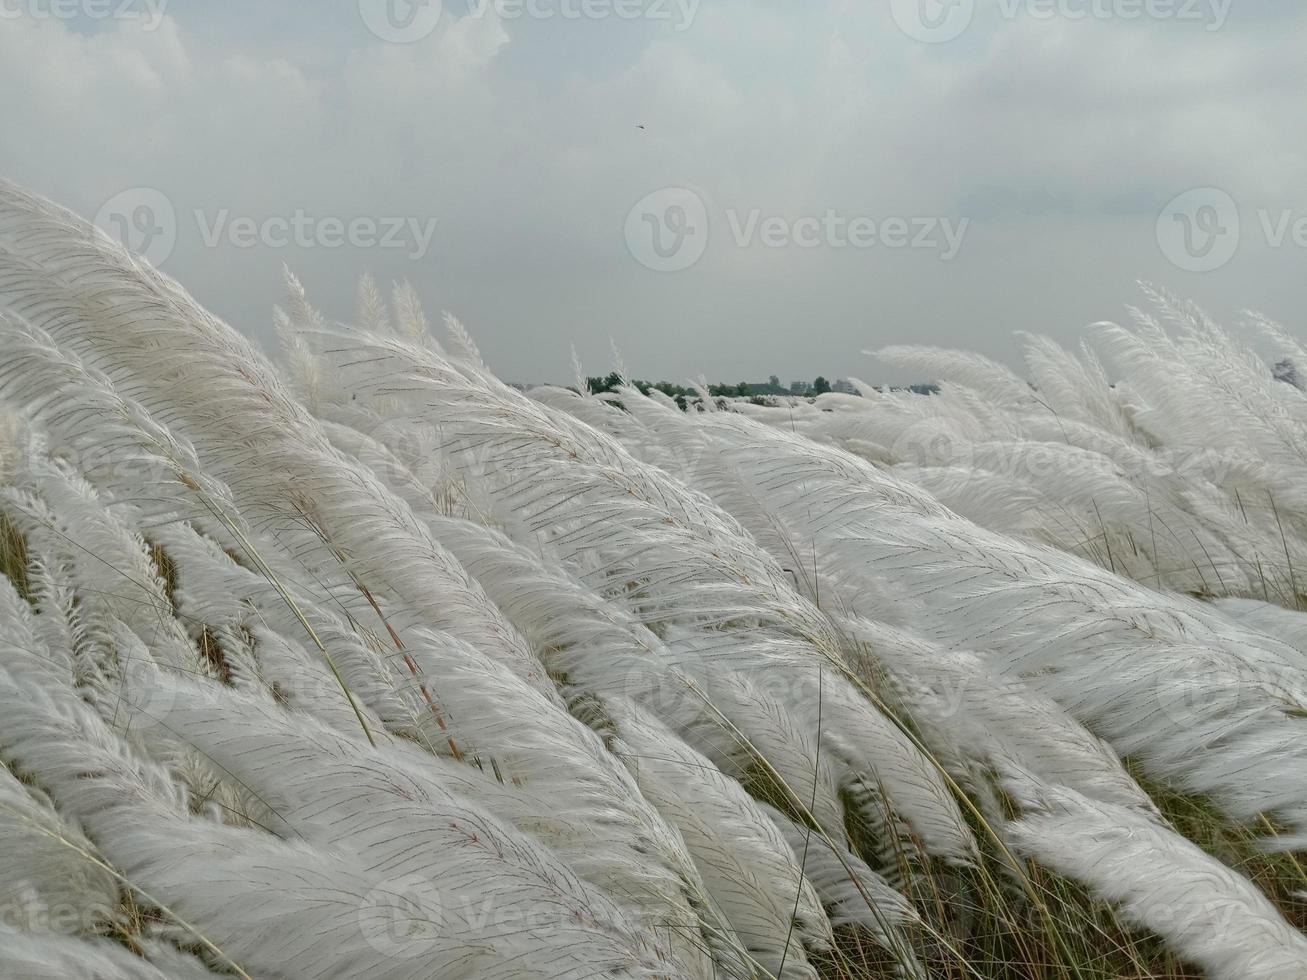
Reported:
(357, 662)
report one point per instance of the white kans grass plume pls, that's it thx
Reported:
(369, 665)
(1216, 916)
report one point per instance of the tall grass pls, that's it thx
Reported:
(369, 665)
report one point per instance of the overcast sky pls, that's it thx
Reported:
(735, 188)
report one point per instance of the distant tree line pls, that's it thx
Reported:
(742, 389)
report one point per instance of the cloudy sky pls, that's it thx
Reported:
(729, 187)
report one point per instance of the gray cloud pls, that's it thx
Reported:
(1060, 139)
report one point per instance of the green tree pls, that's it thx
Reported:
(598, 385)
(820, 386)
